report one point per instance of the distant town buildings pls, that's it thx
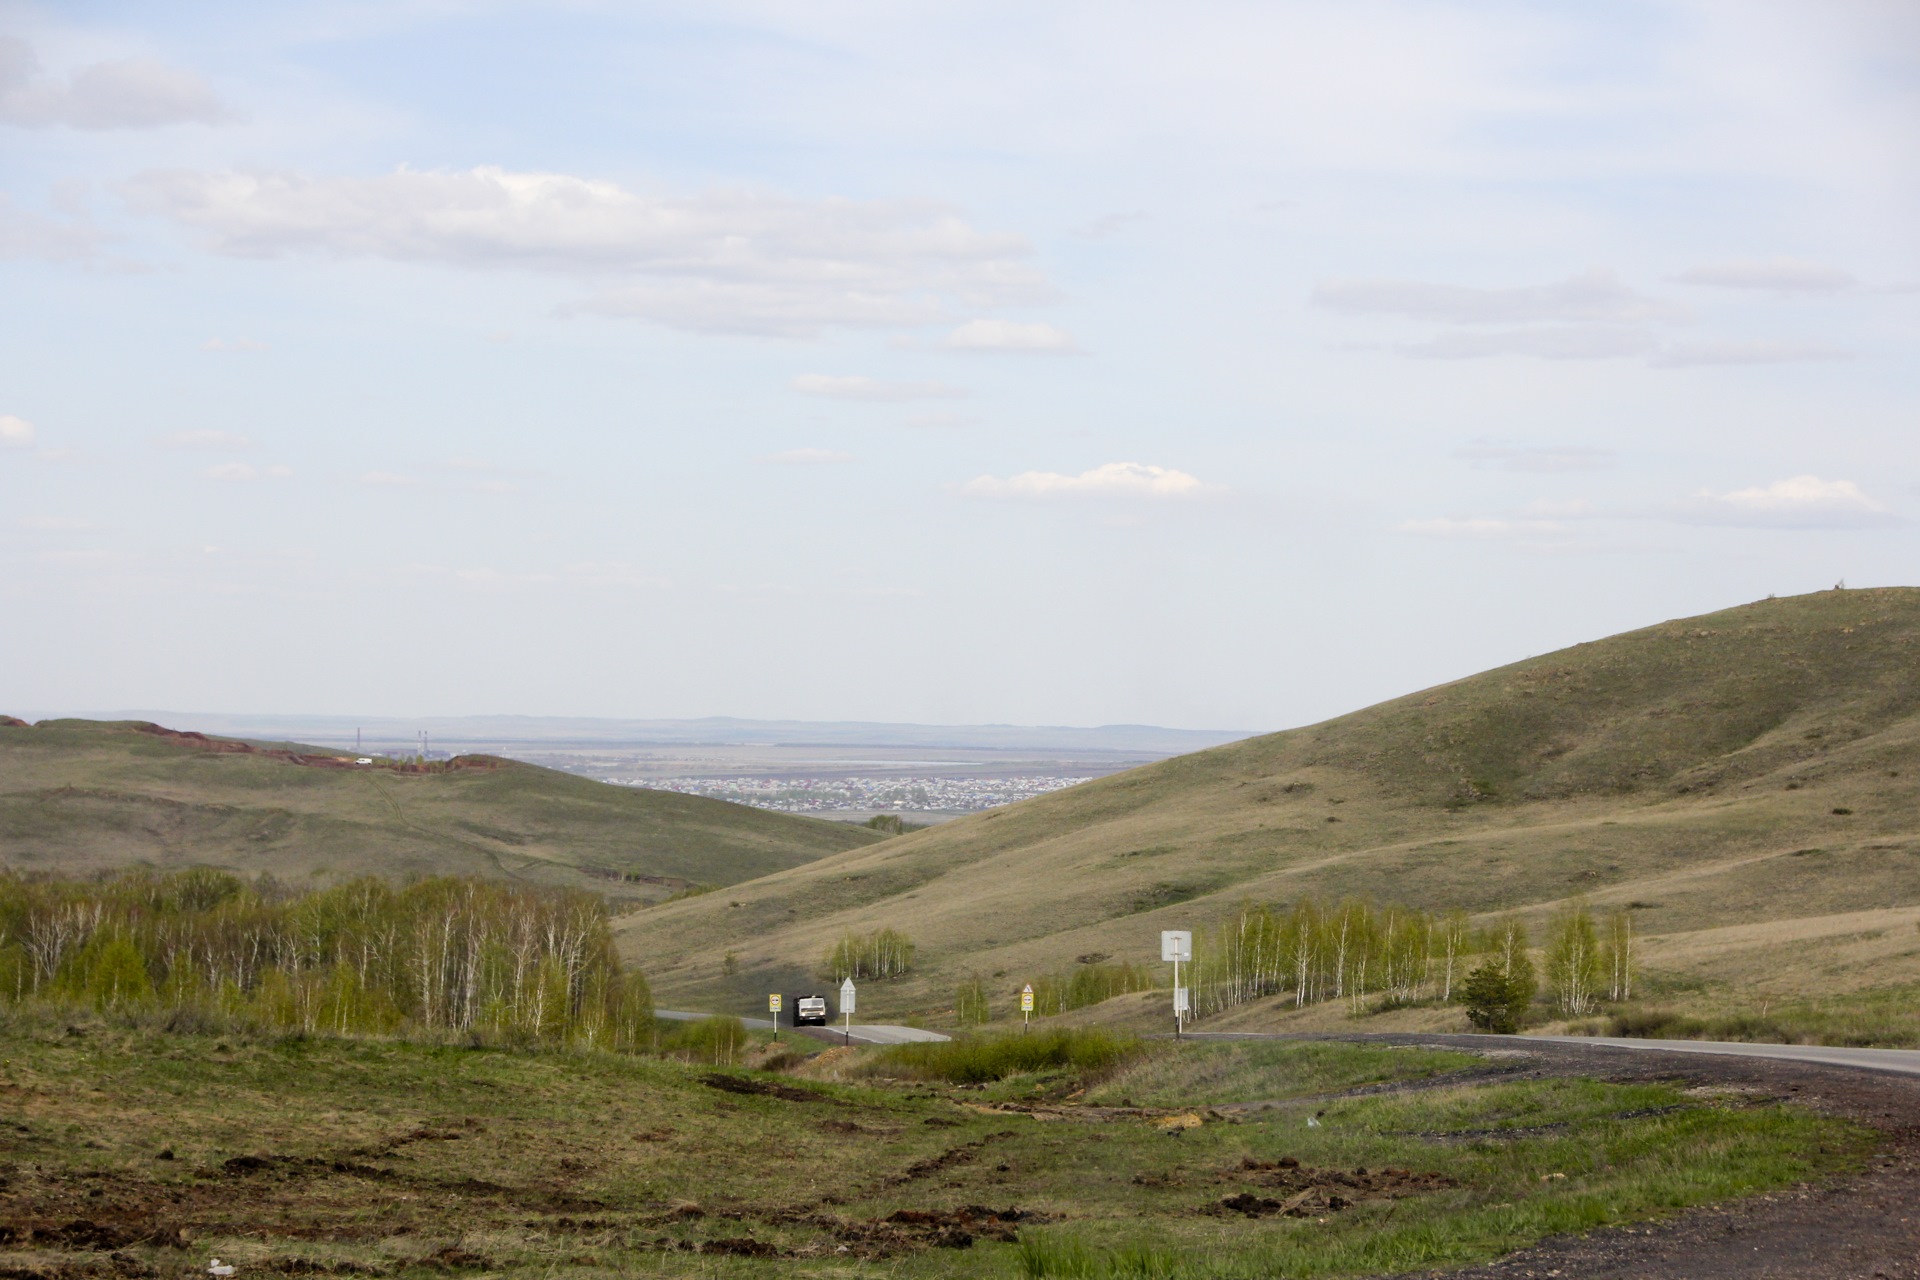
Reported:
(870, 795)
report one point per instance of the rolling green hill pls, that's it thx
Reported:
(78, 794)
(1739, 780)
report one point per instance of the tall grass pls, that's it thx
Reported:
(985, 1058)
(1887, 1019)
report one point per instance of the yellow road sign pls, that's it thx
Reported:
(1026, 998)
(773, 1003)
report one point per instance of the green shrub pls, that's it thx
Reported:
(1499, 991)
(719, 1040)
(981, 1059)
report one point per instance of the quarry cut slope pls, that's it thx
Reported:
(1743, 767)
(80, 795)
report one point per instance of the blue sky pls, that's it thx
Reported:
(1211, 365)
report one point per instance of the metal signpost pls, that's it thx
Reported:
(846, 1011)
(1026, 1007)
(773, 1007)
(1177, 945)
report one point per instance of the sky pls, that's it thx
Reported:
(1212, 365)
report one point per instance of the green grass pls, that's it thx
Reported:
(386, 1158)
(1678, 768)
(981, 1059)
(1884, 1018)
(1216, 1073)
(79, 795)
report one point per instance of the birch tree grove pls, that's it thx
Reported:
(1616, 956)
(442, 955)
(1573, 961)
(885, 954)
(1354, 951)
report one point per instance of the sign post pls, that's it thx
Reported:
(1177, 945)
(1026, 1007)
(846, 1011)
(773, 1007)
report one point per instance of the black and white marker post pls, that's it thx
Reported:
(1177, 945)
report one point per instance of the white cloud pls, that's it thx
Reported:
(53, 524)
(1483, 528)
(387, 480)
(1802, 502)
(1110, 225)
(1011, 335)
(1780, 275)
(205, 439)
(940, 419)
(1589, 298)
(128, 93)
(1535, 458)
(1583, 342)
(729, 261)
(243, 473)
(15, 433)
(1691, 355)
(1114, 480)
(612, 573)
(1562, 509)
(26, 235)
(237, 344)
(807, 457)
(862, 388)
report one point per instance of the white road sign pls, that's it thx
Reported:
(1180, 1000)
(846, 996)
(1176, 945)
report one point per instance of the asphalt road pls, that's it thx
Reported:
(1898, 1061)
(874, 1033)
(1902, 1061)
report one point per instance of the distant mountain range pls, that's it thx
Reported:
(535, 731)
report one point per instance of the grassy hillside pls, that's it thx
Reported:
(1735, 779)
(77, 795)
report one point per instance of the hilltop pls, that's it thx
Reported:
(77, 795)
(1736, 779)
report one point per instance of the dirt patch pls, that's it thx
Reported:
(454, 1258)
(758, 1088)
(1308, 1192)
(315, 1267)
(965, 1153)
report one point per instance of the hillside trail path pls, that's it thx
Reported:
(1860, 1226)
